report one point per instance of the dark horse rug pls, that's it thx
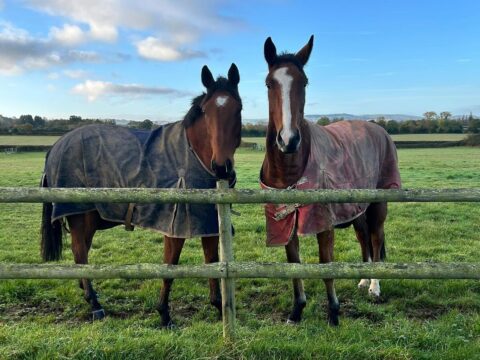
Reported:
(343, 155)
(99, 156)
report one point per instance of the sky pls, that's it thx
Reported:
(135, 60)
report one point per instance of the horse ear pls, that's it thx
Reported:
(207, 77)
(233, 75)
(270, 51)
(305, 52)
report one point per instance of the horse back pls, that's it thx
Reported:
(358, 153)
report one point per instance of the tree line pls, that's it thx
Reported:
(431, 123)
(37, 125)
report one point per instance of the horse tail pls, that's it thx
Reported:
(51, 232)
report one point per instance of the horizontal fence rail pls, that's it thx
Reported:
(227, 196)
(245, 270)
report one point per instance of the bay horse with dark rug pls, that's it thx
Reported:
(304, 155)
(193, 153)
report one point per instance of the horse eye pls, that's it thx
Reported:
(268, 85)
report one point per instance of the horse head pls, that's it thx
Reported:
(214, 129)
(286, 82)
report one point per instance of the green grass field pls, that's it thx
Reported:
(428, 137)
(414, 319)
(17, 140)
(400, 137)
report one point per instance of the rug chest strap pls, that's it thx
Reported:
(128, 217)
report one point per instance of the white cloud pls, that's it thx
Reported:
(102, 32)
(94, 89)
(75, 74)
(177, 22)
(69, 35)
(156, 49)
(178, 16)
(164, 30)
(53, 76)
(20, 52)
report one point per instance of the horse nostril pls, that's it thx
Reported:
(293, 142)
(296, 137)
(222, 171)
(280, 141)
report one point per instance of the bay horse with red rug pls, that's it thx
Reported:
(193, 153)
(304, 155)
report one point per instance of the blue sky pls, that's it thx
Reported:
(142, 59)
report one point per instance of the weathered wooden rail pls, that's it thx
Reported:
(227, 269)
(229, 196)
(238, 270)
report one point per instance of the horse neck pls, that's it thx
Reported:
(281, 170)
(197, 136)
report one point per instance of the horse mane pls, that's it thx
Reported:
(221, 84)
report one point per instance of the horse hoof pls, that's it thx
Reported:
(374, 289)
(98, 314)
(333, 321)
(170, 325)
(364, 283)
(292, 322)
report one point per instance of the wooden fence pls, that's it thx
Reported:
(227, 269)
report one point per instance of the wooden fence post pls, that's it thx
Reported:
(226, 256)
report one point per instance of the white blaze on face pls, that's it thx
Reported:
(221, 101)
(285, 81)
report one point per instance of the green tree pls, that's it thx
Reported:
(473, 125)
(445, 115)
(146, 124)
(392, 127)
(75, 118)
(324, 120)
(38, 122)
(25, 119)
(381, 121)
(430, 115)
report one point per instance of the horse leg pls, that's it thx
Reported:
(92, 218)
(376, 215)
(300, 300)
(210, 252)
(82, 229)
(363, 236)
(171, 255)
(325, 246)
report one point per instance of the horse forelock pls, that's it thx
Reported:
(221, 84)
(288, 58)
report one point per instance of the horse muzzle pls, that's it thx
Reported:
(293, 143)
(223, 172)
